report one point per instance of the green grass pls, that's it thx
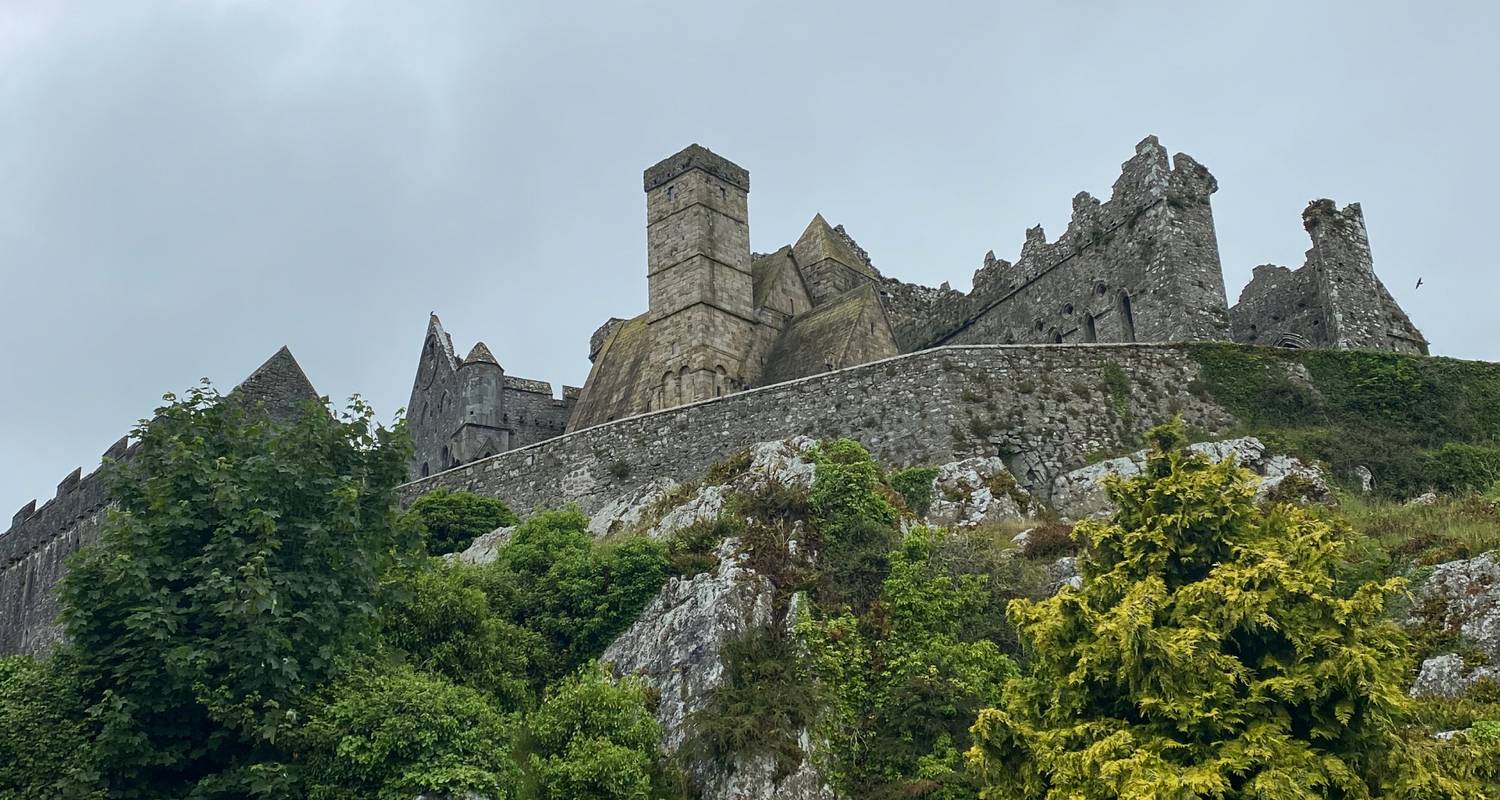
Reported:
(1419, 423)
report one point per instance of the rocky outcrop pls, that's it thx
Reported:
(1448, 676)
(1462, 597)
(1080, 493)
(974, 491)
(677, 643)
(483, 549)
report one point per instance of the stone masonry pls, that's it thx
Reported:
(461, 411)
(1141, 266)
(1043, 410)
(34, 551)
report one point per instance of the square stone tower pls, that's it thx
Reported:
(701, 318)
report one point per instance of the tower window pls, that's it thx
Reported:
(671, 192)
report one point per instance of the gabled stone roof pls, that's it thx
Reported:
(824, 338)
(279, 384)
(615, 381)
(820, 241)
(480, 355)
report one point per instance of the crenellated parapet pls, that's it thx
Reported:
(34, 551)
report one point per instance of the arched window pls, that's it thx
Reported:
(1127, 318)
(1090, 333)
(425, 470)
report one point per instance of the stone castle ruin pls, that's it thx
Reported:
(738, 347)
(1142, 266)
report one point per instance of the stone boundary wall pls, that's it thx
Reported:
(1045, 409)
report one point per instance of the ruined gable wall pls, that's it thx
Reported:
(1334, 300)
(1045, 409)
(434, 409)
(1280, 307)
(1153, 240)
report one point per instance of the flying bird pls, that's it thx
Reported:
(1419, 283)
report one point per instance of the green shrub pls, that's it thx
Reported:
(399, 733)
(45, 749)
(452, 520)
(443, 623)
(595, 739)
(762, 706)
(855, 523)
(577, 594)
(906, 680)
(1210, 652)
(914, 484)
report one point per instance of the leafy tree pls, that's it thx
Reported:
(575, 593)
(452, 520)
(1210, 653)
(399, 733)
(44, 745)
(855, 521)
(907, 678)
(242, 561)
(595, 739)
(444, 624)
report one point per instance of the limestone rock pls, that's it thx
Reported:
(677, 646)
(973, 491)
(703, 506)
(1466, 595)
(1064, 572)
(782, 462)
(1366, 479)
(1448, 676)
(676, 643)
(1080, 493)
(626, 511)
(1424, 499)
(483, 549)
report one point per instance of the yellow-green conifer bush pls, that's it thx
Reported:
(1210, 654)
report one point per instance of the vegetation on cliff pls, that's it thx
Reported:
(261, 620)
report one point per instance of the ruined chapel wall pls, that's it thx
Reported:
(1152, 243)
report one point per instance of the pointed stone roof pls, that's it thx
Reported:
(820, 242)
(279, 384)
(480, 355)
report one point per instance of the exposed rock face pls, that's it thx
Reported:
(1461, 596)
(1467, 595)
(627, 511)
(677, 641)
(483, 549)
(677, 646)
(973, 491)
(1448, 676)
(704, 506)
(1064, 572)
(1080, 493)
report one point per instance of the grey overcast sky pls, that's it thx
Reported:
(187, 186)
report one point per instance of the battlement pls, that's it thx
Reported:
(34, 550)
(692, 157)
